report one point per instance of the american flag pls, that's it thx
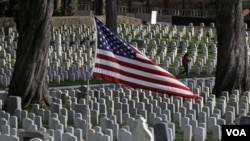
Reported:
(118, 61)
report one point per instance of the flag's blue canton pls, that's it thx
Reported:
(107, 40)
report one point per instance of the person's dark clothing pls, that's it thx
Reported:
(185, 61)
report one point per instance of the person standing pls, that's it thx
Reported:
(185, 62)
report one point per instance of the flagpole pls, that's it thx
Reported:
(88, 78)
(87, 106)
(91, 19)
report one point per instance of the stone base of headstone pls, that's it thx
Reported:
(13, 103)
(28, 135)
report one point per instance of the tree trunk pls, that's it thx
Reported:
(129, 6)
(202, 8)
(34, 29)
(11, 4)
(148, 6)
(64, 10)
(57, 6)
(148, 3)
(165, 6)
(111, 15)
(232, 62)
(99, 7)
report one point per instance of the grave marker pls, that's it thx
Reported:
(161, 132)
(141, 131)
(27, 135)
(245, 120)
(13, 103)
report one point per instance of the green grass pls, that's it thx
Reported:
(71, 83)
(78, 82)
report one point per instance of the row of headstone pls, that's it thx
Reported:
(71, 51)
(113, 112)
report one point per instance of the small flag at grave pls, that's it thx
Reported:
(118, 61)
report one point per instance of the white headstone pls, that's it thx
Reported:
(141, 131)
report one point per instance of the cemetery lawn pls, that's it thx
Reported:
(71, 83)
(96, 81)
(179, 135)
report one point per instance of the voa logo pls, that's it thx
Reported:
(236, 132)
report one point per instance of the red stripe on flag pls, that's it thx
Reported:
(137, 67)
(139, 77)
(136, 85)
